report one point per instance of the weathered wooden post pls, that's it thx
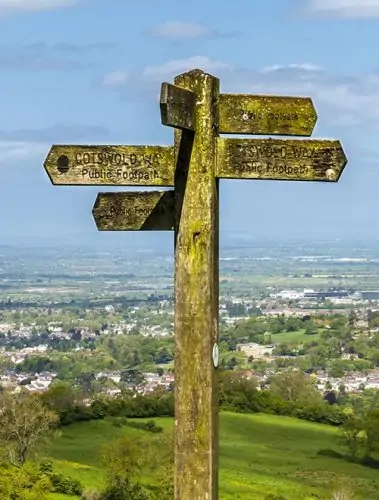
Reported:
(193, 166)
(197, 297)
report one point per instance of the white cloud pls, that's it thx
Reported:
(177, 66)
(345, 8)
(179, 29)
(155, 74)
(302, 67)
(22, 5)
(116, 78)
(13, 151)
(339, 99)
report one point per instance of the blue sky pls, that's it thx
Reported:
(89, 71)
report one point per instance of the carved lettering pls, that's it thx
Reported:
(94, 160)
(133, 211)
(287, 169)
(268, 159)
(104, 158)
(137, 174)
(97, 174)
(279, 159)
(240, 151)
(271, 168)
(250, 115)
(266, 115)
(302, 152)
(130, 175)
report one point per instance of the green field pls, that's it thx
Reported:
(260, 455)
(296, 337)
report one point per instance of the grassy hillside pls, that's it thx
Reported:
(260, 455)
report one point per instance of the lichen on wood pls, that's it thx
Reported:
(196, 297)
(266, 115)
(280, 159)
(74, 165)
(144, 210)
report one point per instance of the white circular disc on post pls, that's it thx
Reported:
(215, 355)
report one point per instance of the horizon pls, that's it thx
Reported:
(163, 243)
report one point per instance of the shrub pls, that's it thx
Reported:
(60, 482)
(125, 490)
(65, 485)
(149, 426)
(99, 409)
(77, 414)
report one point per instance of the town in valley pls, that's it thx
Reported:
(96, 317)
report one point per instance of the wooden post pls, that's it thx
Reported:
(197, 296)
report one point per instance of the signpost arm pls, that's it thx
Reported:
(197, 296)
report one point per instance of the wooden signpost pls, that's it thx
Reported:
(111, 165)
(139, 210)
(177, 107)
(266, 115)
(193, 166)
(280, 159)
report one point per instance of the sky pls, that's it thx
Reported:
(90, 71)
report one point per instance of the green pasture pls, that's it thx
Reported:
(260, 455)
(296, 337)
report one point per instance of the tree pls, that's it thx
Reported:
(352, 318)
(23, 484)
(294, 386)
(60, 397)
(231, 363)
(350, 432)
(293, 324)
(132, 378)
(336, 371)
(310, 328)
(342, 389)
(236, 391)
(85, 381)
(24, 424)
(123, 461)
(164, 355)
(370, 427)
(331, 398)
